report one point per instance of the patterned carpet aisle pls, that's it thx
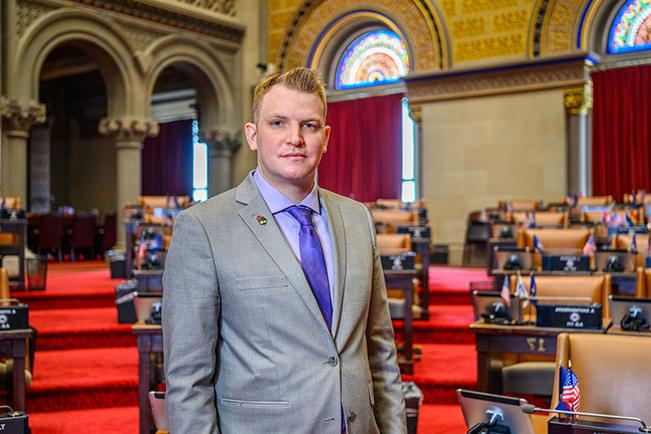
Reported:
(85, 370)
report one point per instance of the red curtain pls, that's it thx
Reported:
(621, 133)
(167, 160)
(364, 155)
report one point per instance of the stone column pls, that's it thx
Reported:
(578, 105)
(128, 133)
(19, 118)
(222, 145)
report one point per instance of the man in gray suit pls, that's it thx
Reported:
(275, 316)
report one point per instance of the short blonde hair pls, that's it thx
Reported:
(300, 79)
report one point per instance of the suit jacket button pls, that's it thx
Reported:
(332, 360)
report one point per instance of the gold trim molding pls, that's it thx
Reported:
(569, 71)
(578, 101)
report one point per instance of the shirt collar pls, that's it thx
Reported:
(278, 202)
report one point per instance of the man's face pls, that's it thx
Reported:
(290, 137)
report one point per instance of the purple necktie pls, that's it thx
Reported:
(312, 260)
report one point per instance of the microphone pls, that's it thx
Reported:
(531, 409)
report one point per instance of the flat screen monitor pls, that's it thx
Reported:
(623, 258)
(619, 307)
(482, 301)
(478, 407)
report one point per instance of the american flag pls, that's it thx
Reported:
(533, 289)
(571, 396)
(506, 291)
(590, 246)
(537, 245)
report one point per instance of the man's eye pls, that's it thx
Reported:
(310, 126)
(276, 123)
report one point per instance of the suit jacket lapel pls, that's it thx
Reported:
(338, 233)
(274, 243)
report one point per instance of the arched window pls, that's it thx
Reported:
(631, 30)
(376, 57)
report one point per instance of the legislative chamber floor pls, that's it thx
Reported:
(85, 377)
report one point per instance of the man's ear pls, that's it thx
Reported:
(326, 131)
(251, 133)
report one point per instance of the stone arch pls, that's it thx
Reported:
(97, 36)
(318, 22)
(593, 35)
(202, 64)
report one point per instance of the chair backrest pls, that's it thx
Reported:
(520, 204)
(395, 217)
(163, 201)
(597, 288)
(83, 231)
(50, 231)
(11, 202)
(393, 244)
(110, 228)
(568, 239)
(594, 201)
(542, 218)
(613, 372)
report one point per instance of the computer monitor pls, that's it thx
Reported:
(483, 300)
(479, 407)
(619, 307)
(624, 259)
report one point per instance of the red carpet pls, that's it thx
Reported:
(85, 372)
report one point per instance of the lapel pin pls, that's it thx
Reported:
(261, 219)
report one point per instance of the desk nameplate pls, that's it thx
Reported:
(568, 426)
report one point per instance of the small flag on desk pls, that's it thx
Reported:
(590, 246)
(533, 289)
(506, 291)
(521, 290)
(633, 242)
(537, 245)
(570, 399)
(629, 219)
(532, 221)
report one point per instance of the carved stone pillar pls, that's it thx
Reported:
(222, 145)
(128, 133)
(578, 105)
(19, 118)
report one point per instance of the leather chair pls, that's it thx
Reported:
(83, 235)
(50, 234)
(395, 217)
(11, 202)
(613, 372)
(594, 201)
(570, 241)
(393, 244)
(109, 237)
(532, 374)
(521, 204)
(623, 242)
(542, 218)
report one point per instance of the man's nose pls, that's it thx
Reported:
(295, 136)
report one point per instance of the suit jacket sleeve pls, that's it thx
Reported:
(389, 408)
(190, 329)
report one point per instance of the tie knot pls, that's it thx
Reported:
(302, 214)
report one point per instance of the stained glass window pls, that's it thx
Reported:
(376, 57)
(631, 30)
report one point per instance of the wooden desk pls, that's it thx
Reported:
(403, 280)
(421, 247)
(150, 340)
(18, 227)
(491, 340)
(13, 343)
(490, 254)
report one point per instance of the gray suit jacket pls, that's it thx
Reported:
(246, 347)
